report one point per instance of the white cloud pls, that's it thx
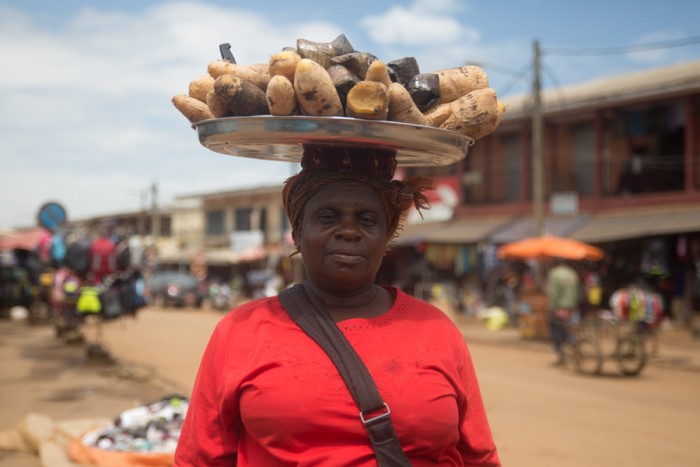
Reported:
(87, 115)
(423, 23)
(86, 112)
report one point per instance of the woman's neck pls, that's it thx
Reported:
(368, 303)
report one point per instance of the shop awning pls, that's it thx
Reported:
(25, 240)
(524, 228)
(222, 256)
(454, 232)
(416, 233)
(609, 227)
(217, 256)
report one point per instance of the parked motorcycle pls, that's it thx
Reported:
(221, 297)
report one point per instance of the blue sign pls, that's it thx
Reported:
(51, 216)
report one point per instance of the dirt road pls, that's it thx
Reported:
(541, 416)
(41, 374)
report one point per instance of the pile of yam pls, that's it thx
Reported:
(332, 79)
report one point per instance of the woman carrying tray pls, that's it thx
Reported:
(268, 394)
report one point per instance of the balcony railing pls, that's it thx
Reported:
(620, 176)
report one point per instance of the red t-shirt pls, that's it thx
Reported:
(267, 395)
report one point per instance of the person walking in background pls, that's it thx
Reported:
(563, 289)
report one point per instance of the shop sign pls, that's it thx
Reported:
(246, 240)
(564, 202)
(443, 201)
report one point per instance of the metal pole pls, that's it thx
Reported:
(155, 218)
(537, 159)
(142, 215)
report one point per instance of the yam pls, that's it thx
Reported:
(379, 72)
(263, 68)
(459, 81)
(200, 87)
(251, 73)
(284, 63)
(280, 95)
(486, 128)
(357, 62)
(424, 89)
(194, 109)
(437, 114)
(322, 52)
(404, 68)
(343, 80)
(368, 100)
(241, 97)
(315, 91)
(217, 106)
(471, 111)
(402, 108)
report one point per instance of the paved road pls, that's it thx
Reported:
(541, 416)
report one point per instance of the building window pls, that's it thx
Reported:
(512, 146)
(215, 223)
(262, 223)
(648, 148)
(285, 221)
(243, 218)
(165, 226)
(583, 137)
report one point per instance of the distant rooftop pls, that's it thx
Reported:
(659, 82)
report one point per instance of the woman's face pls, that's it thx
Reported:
(343, 237)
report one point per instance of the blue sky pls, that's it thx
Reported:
(85, 112)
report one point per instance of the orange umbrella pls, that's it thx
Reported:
(549, 246)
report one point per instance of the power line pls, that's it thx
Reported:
(555, 80)
(496, 67)
(518, 75)
(515, 78)
(622, 49)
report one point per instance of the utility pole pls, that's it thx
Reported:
(537, 158)
(142, 215)
(155, 218)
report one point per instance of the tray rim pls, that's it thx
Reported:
(254, 141)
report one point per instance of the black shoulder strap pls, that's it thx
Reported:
(311, 316)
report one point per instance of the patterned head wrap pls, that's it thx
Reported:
(324, 165)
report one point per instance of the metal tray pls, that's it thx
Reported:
(281, 138)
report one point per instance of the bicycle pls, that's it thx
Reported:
(595, 340)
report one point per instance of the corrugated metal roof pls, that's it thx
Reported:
(658, 83)
(623, 225)
(258, 190)
(451, 232)
(525, 227)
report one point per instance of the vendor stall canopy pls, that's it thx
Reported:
(28, 239)
(549, 246)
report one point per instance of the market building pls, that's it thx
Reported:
(621, 171)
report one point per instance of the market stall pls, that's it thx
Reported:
(533, 320)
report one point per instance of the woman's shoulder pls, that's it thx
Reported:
(403, 299)
(421, 318)
(253, 311)
(421, 310)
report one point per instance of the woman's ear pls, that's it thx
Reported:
(296, 238)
